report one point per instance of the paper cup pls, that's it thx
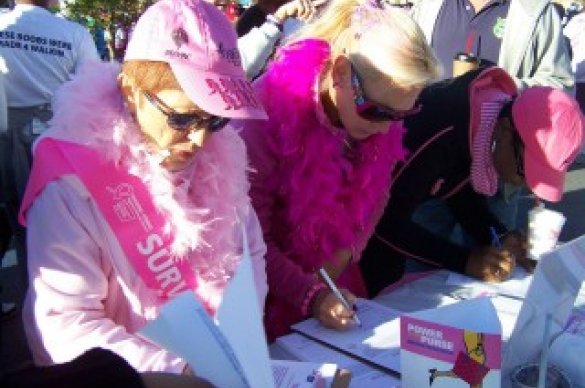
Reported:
(462, 63)
(526, 376)
(544, 228)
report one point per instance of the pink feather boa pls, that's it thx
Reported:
(332, 202)
(203, 203)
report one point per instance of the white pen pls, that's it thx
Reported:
(338, 294)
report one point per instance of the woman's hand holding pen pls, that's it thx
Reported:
(330, 311)
(516, 243)
(496, 263)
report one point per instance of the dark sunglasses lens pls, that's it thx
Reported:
(181, 122)
(217, 123)
(374, 113)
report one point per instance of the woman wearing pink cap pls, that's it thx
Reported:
(322, 161)
(138, 192)
(473, 133)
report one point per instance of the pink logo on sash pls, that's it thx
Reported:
(127, 207)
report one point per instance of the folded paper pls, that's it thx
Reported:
(458, 345)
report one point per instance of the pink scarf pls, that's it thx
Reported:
(331, 197)
(332, 201)
(201, 203)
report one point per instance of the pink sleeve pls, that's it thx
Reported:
(286, 279)
(72, 279)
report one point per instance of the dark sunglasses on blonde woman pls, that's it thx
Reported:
(375, 112)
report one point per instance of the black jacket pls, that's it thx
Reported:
(437, 167)
(96, 368)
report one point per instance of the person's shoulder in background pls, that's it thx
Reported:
(252, 17)
(96, 368)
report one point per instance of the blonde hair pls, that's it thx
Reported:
(379, 39)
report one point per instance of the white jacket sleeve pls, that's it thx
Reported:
(257, 254)
(72, 281)
(545, 60)
(3, 100)
(86, 49)
(256, 47)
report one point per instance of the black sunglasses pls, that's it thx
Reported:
(372, 111)
(186, 121)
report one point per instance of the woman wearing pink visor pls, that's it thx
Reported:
(138, 192)
(473, 132)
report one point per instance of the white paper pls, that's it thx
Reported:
(305, 349)
(377, 340)
(516, 286)
(556, 282)
(424, 293)
(184, 328)
(507, 310)
(363, 375)
(375, 379)
(294, 374)
(477, 315)
(240, 319)
(230, 352)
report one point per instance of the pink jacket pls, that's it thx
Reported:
(313, 198)
(84, 292)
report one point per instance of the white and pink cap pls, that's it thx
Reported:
(200, 45)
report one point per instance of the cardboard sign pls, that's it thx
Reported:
(458, 345)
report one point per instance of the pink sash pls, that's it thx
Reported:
(126, 205)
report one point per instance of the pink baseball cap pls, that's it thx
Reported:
(200, 45)
(551, 126)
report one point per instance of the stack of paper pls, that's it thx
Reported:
(300, 347)
(230, 351)
(376, 341)
(515, 287)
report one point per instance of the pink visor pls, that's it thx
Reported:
(200, 45)
(551, 126)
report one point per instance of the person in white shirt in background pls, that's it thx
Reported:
(7, 309)
(41, 52)
(575, 32)
(260, 31)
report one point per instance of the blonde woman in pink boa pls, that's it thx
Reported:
(138, 192)
(335, 96)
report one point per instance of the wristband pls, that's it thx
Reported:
(309, 296)
(271, 19)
